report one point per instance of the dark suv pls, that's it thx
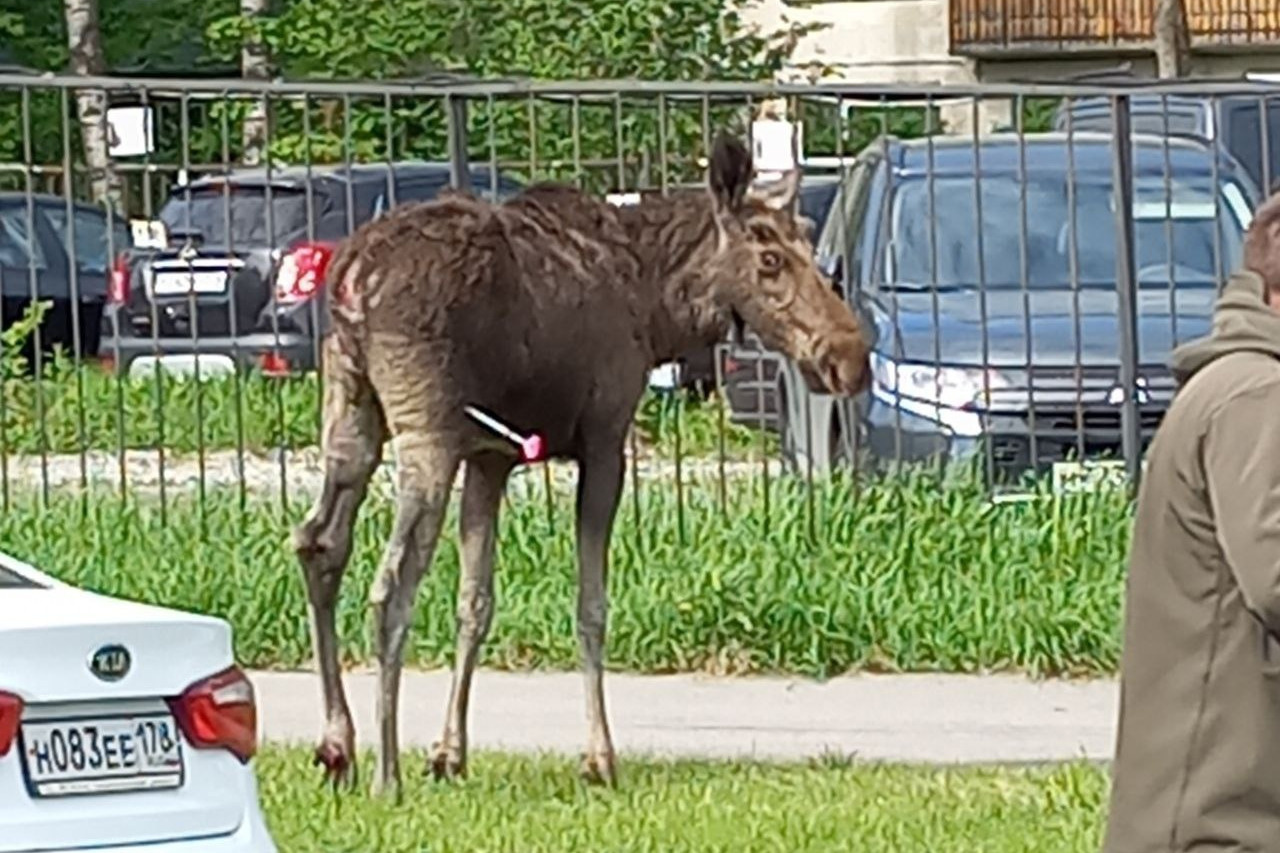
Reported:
(1010, 354)
(35, 233)
(238, 283)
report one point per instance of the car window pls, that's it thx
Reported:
(1179, 227)
(1244, 138)
(91, 245)
(208, 209)
(15, 244)
(10, 579)
(1143, 118)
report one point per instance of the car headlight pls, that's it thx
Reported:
(945, 394)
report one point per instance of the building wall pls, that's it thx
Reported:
(870, 41)
(881, 41)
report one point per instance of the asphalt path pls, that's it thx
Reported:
(941, 719)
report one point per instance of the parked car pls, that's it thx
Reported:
(1233, 121)
(238, 279)
(123, 726)
(1048, 352)
(34, 234)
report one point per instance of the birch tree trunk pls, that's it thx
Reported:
(1173, 46)
(254, 65)
(85, 41)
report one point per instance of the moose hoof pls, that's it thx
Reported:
(599, 769)
(447, 764)
(336, 761)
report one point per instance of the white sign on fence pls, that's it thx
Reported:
(130, 131)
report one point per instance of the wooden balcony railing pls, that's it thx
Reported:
(991, 27)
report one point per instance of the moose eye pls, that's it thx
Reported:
(770, 260)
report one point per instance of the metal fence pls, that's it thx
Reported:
(1023, 310)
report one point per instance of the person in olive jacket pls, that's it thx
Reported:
(1197, 761)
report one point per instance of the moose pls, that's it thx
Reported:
(548, 310)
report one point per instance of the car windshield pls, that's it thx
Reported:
(207, 210)
(1174, 232)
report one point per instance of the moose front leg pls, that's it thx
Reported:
(599, 487)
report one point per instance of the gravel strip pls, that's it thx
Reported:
(302, 472)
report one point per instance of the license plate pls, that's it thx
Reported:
(1088, 476)
(170, 283)
(94, 756)
(183, 365)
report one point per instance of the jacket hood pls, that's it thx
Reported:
(1242, 320)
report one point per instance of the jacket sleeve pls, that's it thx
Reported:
(1242, 470)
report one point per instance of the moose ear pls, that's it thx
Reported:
(780, 194)
(730, 172)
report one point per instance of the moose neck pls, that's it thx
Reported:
(675, 239)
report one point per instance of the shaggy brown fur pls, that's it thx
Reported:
(547, 310)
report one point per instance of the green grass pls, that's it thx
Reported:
(66, 413)
(903, 574)
(535, 805)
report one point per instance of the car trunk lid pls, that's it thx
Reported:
(95, 675)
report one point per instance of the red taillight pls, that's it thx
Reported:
(10, 716)
(220, 713)
(273, 364)
(118, 286)
(302, 272)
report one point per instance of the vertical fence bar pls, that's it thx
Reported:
(193, 308)
(931, 187)
(1073, 270)
(531, 101)
(983, 311)
(620, 148)
(1166, 168)
(108, 272)
(1126, 284)
(233, 324)
(308, 158)
(1264, 142)
(844, 418)
(268, 131)
(73, 281)
(677, 393)
(721, 352)
(154, 307)
(33, 285)
(1024, 276)
(456, 120)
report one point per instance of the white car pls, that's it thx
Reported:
(124, 728)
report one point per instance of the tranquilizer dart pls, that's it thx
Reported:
(530, 445)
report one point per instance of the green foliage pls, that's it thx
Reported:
(899, 574)
(602, 142)
(69, 413)
(533, 805)
(13, 362)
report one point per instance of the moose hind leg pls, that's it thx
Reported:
(352, 444)
(483, 485)
(427, 466)
(599, 486)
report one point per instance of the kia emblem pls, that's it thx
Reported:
(110, 663)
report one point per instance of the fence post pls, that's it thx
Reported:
(1126, 286)
(459, 168)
